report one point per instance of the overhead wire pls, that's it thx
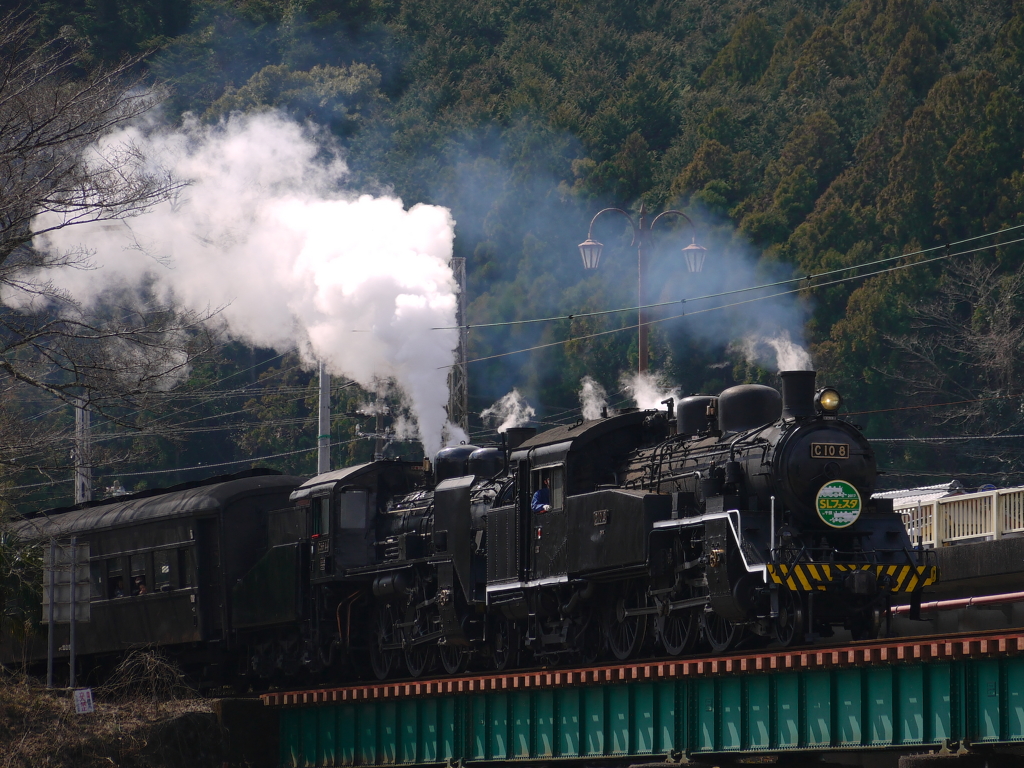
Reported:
(933, 405)
(207, 396)
(787, 281)
(733, 304)
(188, 469)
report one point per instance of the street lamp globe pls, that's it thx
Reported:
(695, 255)
(590, 250)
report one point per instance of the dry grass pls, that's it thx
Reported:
(145, 718)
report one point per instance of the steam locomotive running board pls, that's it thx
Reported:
(734, 526)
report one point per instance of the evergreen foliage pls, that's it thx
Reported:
(820, 134)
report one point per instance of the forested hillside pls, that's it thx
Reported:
(801, 137)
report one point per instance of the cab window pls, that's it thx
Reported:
(321, 511)
(556, 484)
(506, 495)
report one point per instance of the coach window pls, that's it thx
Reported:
(163, 571)
(184, 568)
(139, 584)
(97, 581)
(115, 578)
(556, 477)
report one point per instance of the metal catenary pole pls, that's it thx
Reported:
(83, 448)
(74, 608)
(324, 439)
(51, 636)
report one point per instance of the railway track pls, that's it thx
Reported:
(917, 649)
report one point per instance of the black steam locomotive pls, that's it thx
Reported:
(738, 517)
(727, 520)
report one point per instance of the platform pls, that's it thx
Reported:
(910, 695)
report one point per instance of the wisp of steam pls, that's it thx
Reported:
(788, 355)
(647, 390)
(267, 233)
(593, 398)
(509, 412)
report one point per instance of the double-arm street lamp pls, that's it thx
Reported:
(590, 250)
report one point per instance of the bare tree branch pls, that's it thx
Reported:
(966, 344)
(63, 162)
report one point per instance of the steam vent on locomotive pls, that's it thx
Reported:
(732, 520)
(741, 518)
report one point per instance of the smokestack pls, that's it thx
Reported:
(797, 394)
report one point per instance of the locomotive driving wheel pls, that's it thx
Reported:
(453, 658)
(677, 631)
(624, 633)
(383, 660)
(720, 633)
(504, 643)
(590, 640)
(788, 625)
(420, 657)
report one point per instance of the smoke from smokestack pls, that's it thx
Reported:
(787, 354)
(510, 411)
(647, 390)
(267, 232)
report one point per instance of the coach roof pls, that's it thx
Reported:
(180, 501)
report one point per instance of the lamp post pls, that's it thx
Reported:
(590, 250)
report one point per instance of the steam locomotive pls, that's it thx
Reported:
(744, 517)
(724, 520)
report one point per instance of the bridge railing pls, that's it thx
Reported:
(983, 516)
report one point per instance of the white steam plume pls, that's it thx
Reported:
(511, 411)
(788, 355)
(593, 399)
(647, 390)
(266, 231)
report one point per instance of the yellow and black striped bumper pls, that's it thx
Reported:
(808, 577)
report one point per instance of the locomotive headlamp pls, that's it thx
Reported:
(828, 400)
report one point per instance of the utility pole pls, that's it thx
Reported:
(458, 381)
(323, 455)
(83, 465)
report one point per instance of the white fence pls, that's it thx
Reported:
(969, 517)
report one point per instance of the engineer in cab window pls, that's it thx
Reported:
(542, 498)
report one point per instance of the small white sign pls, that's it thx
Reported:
(83, 701)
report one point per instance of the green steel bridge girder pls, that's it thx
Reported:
(913, 706)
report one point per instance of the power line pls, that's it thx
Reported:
(634, 326)
(763, 286)
(933, 405)
(117, 475)
(960, 438)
